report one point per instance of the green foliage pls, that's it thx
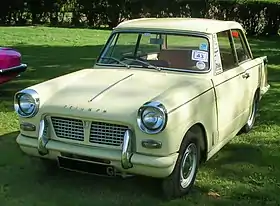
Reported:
(261, 1)
(251, 1)
(259, 17)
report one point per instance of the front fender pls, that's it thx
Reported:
(201, 109)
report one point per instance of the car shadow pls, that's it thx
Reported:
(33, 171)
(236, 162)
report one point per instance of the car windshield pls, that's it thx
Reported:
(157, 50)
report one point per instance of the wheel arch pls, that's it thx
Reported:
(199, 130)
(258, 93)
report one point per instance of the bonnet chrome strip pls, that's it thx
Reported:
(110, 87)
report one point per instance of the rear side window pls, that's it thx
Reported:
(226, 50)
(240, 46)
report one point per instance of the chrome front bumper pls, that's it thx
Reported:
(17, 69)
(126, 152)
(125, 161)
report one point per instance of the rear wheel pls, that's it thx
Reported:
(252, 118)
(182, 179)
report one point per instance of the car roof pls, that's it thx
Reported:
(209, 26)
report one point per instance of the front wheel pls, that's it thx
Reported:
(182, 179)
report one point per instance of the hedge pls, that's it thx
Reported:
(259, 17)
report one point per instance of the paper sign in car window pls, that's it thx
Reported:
(203, 46)
(200, 56)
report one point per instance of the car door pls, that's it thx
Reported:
(229, 81)
(251, 66)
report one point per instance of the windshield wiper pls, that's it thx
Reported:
(146, 63)
(117, 60)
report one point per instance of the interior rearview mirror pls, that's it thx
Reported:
(156, 41)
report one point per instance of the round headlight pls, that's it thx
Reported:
(26, 103)
(152, 117)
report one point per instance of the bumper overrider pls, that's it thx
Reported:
(123, 162)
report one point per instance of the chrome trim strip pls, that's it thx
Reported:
(110, 87)
(126, 150)
(21, 66)
(157, 105)
(42, 139)
(36, 99)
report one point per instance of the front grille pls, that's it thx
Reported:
(105, 133)
(68, 128)
(100, 132)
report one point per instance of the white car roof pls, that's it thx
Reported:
(209, 26)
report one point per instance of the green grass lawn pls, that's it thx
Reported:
(245, 172)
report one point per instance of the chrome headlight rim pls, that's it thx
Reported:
(154, 105)
(34, 95)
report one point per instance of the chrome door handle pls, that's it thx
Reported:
(246, 75)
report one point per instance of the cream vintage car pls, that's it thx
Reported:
(165, 95)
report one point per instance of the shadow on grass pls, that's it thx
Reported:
(251, 173)
(16, 167)
(135, 190)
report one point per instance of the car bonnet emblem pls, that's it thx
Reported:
(98, 110)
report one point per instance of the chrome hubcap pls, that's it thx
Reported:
(251, 118)
(188, 165)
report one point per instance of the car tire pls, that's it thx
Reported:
(179, 184)
(252, 117)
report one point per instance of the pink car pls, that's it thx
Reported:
(10, 64)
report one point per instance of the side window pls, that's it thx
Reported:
(240, 46)
(226, 50)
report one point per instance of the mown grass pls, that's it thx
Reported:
(245, 172)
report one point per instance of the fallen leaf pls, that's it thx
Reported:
(214, 194)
